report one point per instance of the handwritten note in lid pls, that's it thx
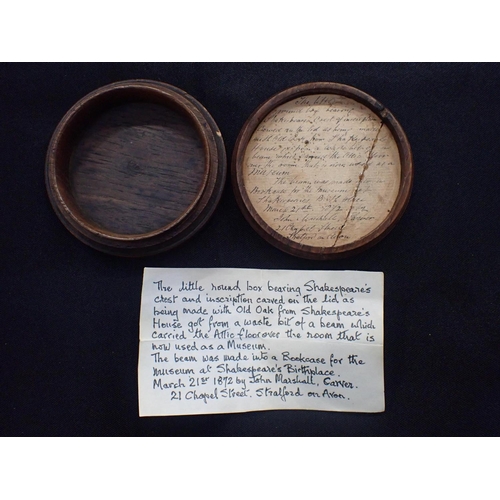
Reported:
(322, 170)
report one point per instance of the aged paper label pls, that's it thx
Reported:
(322, 170)
(236, 340)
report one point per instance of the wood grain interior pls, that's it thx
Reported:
(139, 167)
(135, 168)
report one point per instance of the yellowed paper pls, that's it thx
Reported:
(322, 170)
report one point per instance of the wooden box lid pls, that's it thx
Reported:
(135, 168)
(322, 170)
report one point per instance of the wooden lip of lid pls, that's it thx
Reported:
(179, 121)
(285, 243)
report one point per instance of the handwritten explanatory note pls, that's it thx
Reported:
(236, 340)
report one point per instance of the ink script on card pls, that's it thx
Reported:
(236, 340)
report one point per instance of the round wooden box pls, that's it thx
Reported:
(135, 168)
(322, 170)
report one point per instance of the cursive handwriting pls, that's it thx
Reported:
(322, 170)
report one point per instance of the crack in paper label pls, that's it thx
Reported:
(322, 170)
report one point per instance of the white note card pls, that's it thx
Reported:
(237, 340)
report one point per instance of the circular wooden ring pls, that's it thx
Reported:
(135, 168)
(272, 232)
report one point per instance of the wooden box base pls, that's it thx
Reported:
(135, 168)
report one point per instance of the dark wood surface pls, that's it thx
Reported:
(279, 240)
(135, 168)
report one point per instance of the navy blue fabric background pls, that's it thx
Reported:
(69, 314)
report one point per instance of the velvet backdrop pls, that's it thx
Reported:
(69, 314)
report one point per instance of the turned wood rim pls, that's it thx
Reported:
(170, 99)
(309, 251)
(187, 223)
